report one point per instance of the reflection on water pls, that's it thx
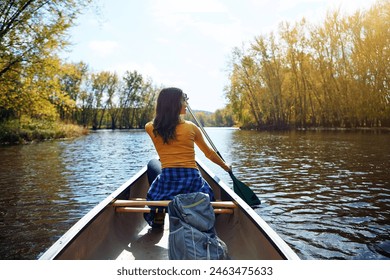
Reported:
(326, 193)
(46, 187)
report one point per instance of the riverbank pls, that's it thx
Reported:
(352, 129)
(27, 131)
(375, 129)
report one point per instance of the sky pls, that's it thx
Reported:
(184, 43)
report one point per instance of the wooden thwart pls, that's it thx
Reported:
(139, 206)
(125, 209)
(164, 203)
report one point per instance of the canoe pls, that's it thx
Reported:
(116, 229)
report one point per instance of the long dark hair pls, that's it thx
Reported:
(169, 104)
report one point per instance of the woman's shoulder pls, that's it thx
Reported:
(149, 126)
(189, 123)
(191, 126)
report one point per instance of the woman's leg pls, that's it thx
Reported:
(155, 220)
(154, 169)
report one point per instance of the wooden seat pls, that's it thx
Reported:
(141, 206)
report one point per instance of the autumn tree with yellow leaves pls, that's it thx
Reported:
(334, 74)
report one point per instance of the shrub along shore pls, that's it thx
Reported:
(28, 131)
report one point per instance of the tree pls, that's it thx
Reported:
(112, 89)
(31, 31)
(223, 117)
(270, 62)
(243, 91)
(299, 95)
(147, 103)
(332, 74)
(71, 79)
(130, 97)
(101, 82)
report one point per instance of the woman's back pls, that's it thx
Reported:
(179, 152)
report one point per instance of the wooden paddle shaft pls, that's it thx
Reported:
(204, 131)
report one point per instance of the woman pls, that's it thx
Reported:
(174, 140)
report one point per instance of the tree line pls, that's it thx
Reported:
(104, 100)
(332, 74)
(37, 85)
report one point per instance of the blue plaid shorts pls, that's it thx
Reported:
(173, 181)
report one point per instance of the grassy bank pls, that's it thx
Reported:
(26, 131)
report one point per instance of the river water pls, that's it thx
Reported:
(327, 194)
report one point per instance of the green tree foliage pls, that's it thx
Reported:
(220, 118)
(71, 80)
(130, 98)
(36, 85)
(107, 101)
(333, 74)
(31, 32)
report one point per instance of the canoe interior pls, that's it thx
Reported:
(106, 234)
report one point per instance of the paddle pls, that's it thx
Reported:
(239, 187)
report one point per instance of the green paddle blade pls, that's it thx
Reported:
(244, 192)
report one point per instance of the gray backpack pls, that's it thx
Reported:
(192, 234)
